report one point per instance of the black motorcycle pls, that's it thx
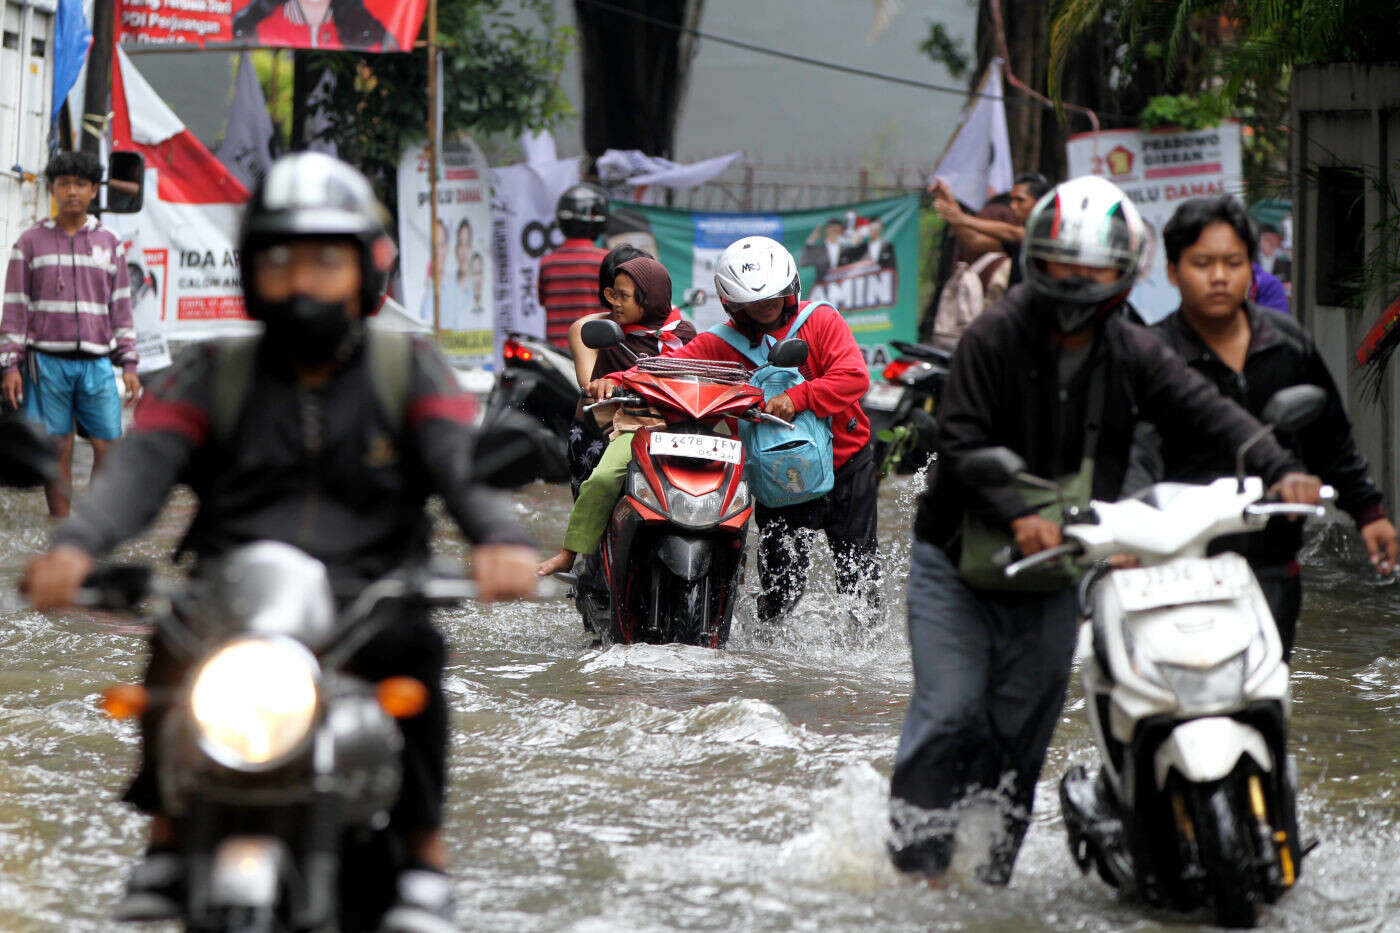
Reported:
(279, 765)
(538, 378)
(901, 407)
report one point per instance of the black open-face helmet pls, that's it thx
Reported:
(310, 194)
(582, 211)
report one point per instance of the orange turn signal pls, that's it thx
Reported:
(402, 697)
(123, 701)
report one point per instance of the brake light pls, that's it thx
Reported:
(896, 369)
(523, 354)
(509, 349)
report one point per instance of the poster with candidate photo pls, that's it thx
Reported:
(362, 25)
(466, 267)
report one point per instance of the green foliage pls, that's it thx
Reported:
(274, 70)
(501, 61)
(1188, 111)
(932, 229)
(943, 49)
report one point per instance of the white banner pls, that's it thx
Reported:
(1159, 170)
(184, 271)
(523, 229)
(465, 263)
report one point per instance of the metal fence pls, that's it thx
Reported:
(769, 187)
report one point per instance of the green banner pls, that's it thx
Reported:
(863, 258)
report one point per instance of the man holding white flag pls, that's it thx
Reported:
(977, 162)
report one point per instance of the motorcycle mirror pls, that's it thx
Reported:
(512, 449)
(27, 456)
(599, 335)
(1294, 407)
(990, 466)
(126, 177)
(788, 353)
(1287, 410)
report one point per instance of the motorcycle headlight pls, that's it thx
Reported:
(695, 511)
(641, 490)
(254, 702)
(1213, 686)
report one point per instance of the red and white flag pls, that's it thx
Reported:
(183, 239)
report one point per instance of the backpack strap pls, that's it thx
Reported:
(390, 372)
(235, 361)
(759, 354)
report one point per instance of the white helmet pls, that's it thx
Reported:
(754, 269)
(1085, 221)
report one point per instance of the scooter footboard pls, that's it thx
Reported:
(1208, 749)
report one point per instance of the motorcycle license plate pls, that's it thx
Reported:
(1190, 580)
(697, 446)
(883, 397)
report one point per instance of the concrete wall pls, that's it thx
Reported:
(1347, 116)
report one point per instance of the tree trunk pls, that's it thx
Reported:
(634, 73)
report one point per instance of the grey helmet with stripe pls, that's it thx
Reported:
(1086, 222)
(310, 194)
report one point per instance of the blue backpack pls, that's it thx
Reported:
(785, 466)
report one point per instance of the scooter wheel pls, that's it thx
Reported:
(1227, 857)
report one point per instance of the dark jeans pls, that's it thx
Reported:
(990, 672)
(411, 647)
(1283, 589)
(846, 515)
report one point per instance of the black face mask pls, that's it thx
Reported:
(306, 330)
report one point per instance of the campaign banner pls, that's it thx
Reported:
(863, 258)
(1159, 169)
(523, 229)
(362, 25)
(466, 301)
(183, 264)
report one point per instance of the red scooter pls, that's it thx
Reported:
(673, 554)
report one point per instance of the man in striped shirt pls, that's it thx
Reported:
(568, 286)
(67, 321)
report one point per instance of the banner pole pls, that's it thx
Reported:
(433, 91)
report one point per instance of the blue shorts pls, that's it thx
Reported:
(85, 389)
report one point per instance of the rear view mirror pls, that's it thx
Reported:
(598, 335)
(990, 466)
(126, 180)
(788, 353)
(1294, 407)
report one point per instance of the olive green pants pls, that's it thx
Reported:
(597, 496)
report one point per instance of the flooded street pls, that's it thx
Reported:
(655, 788)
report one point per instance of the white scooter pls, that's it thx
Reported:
(1186, 691)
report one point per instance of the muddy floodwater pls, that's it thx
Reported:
(661, 788)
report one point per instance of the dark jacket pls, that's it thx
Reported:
(321, 470)
(1003, 390)
(1281, 354)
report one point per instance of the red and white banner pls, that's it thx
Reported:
(183, 252)
(363, 25)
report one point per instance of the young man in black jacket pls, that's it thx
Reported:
(1054, 374)
(312, 449)
(1250, 353)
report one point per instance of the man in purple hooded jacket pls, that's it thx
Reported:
(67, 321)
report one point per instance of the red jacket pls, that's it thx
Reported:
(836, 374)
